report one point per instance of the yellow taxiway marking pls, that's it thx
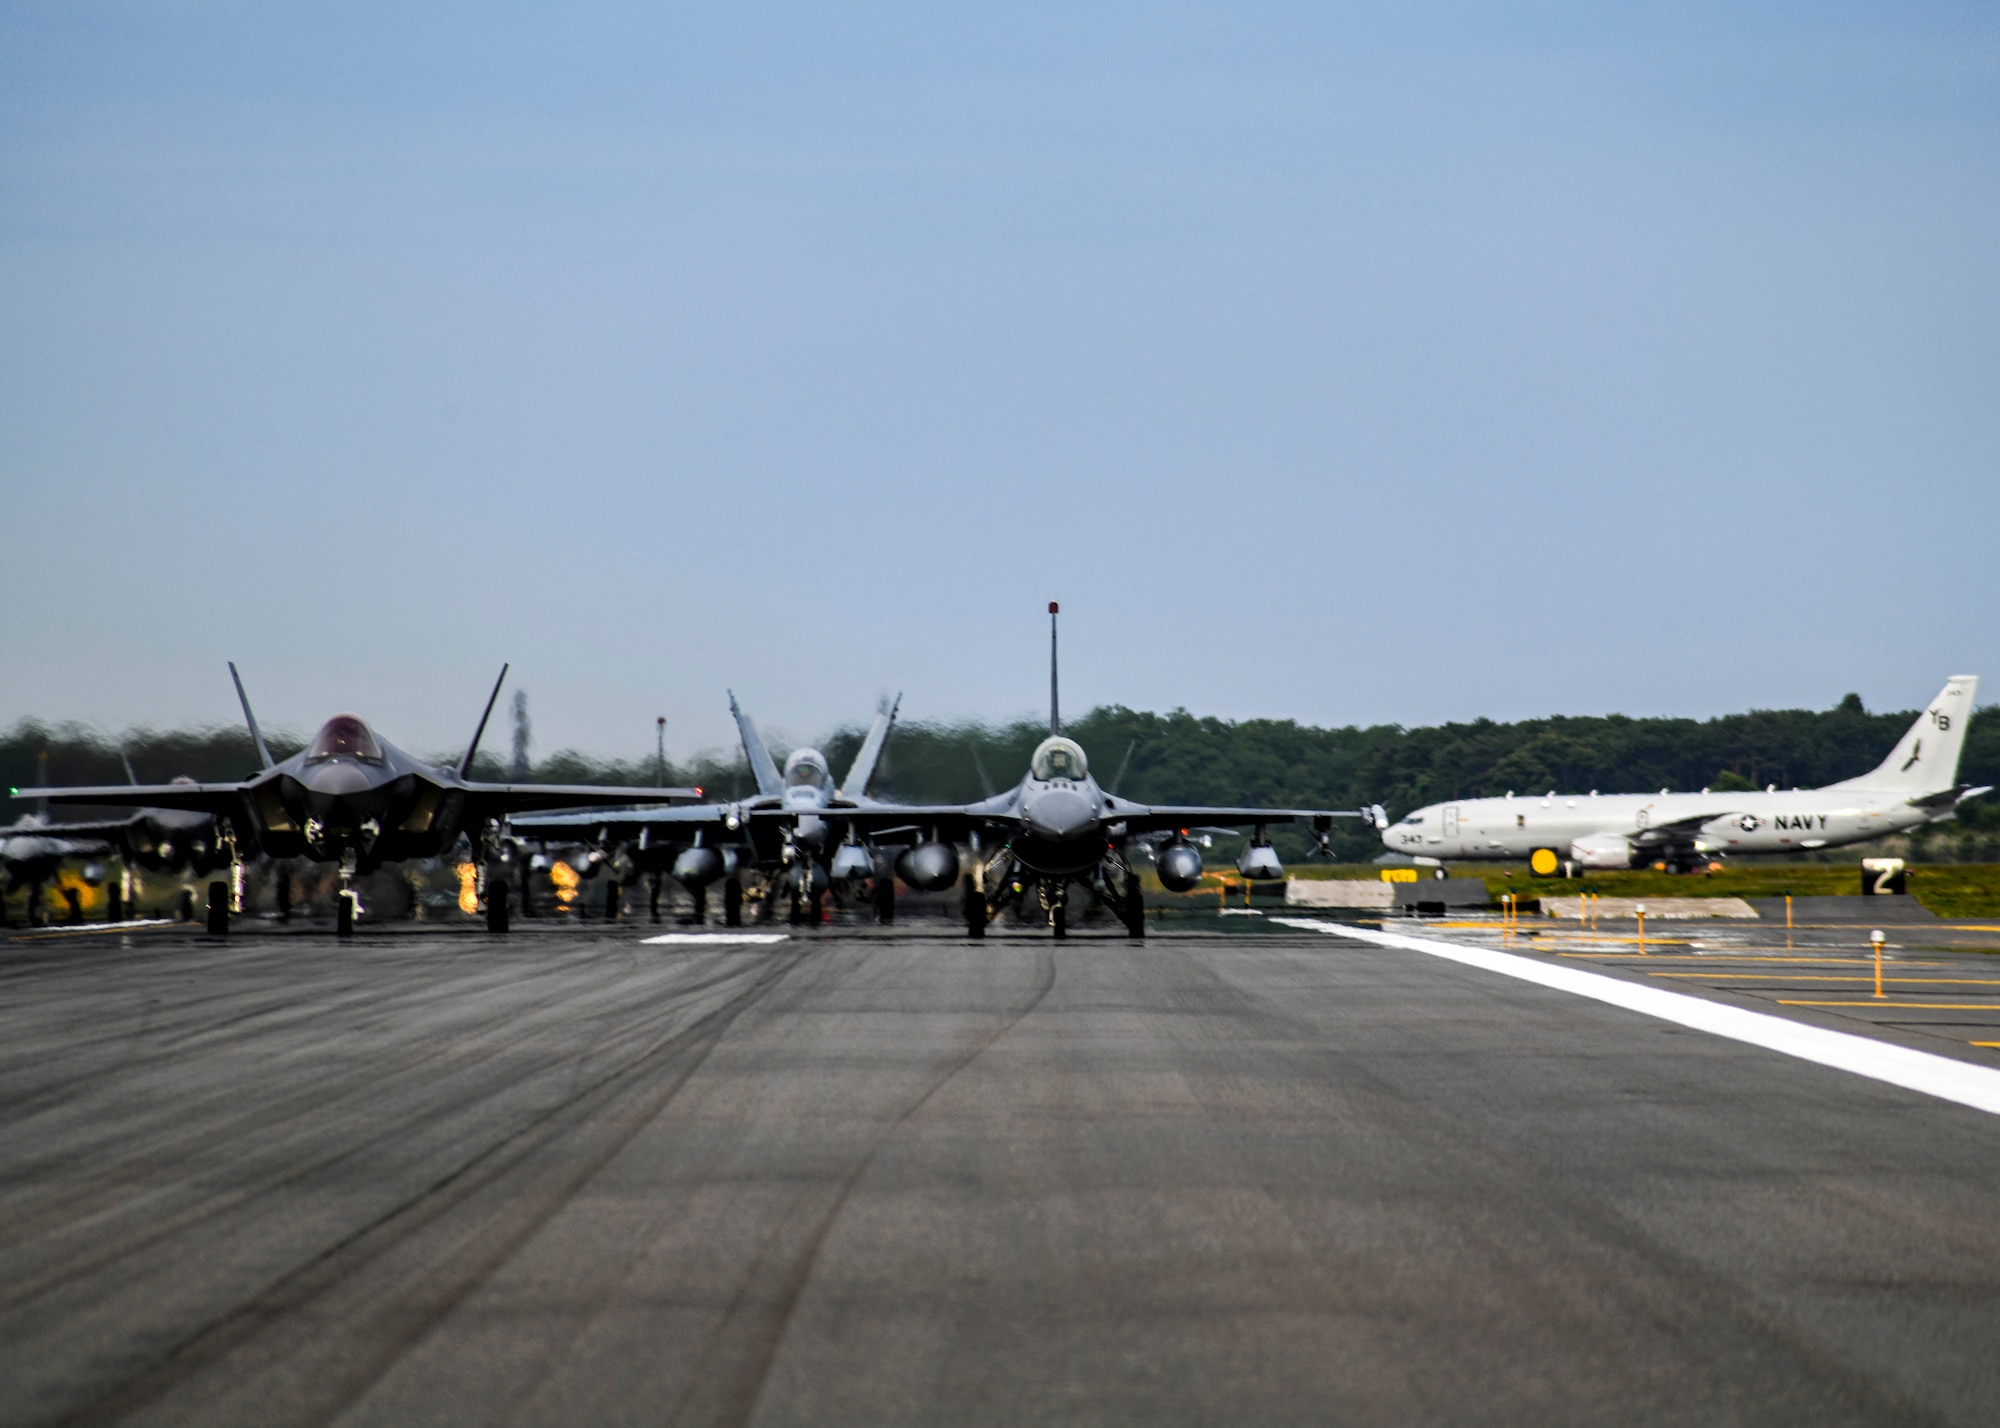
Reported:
(1902, 1006)
(1969, 927)
(1773, 976)
(1983, 1043)
(1732, 957)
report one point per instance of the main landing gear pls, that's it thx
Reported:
(974, 907)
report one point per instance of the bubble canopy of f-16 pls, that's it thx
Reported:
(352, 797)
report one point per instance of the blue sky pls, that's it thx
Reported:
(1325, 363)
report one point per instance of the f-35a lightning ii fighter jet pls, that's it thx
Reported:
(353, 798)
(1058, 831)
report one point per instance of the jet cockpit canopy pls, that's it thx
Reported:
(1059, 758)
(344, 736)
(806, 768)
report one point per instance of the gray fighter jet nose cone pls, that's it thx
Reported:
(334, 780)
(1058, 813)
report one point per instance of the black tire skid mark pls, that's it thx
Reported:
(351, 1368)
(24, 1290)
(730, 1375)
(266, 1114)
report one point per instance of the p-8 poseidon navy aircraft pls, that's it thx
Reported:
(779, 832)
(1916, 784)
(1058, 831)
(353, 798)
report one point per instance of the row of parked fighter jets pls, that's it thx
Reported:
(354, 799)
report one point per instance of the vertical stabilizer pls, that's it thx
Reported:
(1925, 759)
(256, 734)
(855, 785)
(1055, 704)
(766, 773)
(465, 764)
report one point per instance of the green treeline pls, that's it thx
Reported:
(1181, 758)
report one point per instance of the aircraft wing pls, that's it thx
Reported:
(96, 828)
(1681, 830)
(220, 798)
(1159, 818)
(692, 815)
(492, 800)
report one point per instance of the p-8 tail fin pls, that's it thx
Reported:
(769, 782)
(855, 785)
(1925, 759)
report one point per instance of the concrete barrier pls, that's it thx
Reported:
(1339, 892)
(1670, 909)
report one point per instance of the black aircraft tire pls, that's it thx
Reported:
(496, 906)
(1135, 911)
(732, 903)
(975, 910)
(343, 915)
(218, 909)
(1059, 920)
(885, 900)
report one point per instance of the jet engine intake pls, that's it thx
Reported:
(928, 867)
(1603, 850)
(1179, 867)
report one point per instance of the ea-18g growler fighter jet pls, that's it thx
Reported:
(781, 831)
(1059, 831)
(352, 798)
(1916, 784)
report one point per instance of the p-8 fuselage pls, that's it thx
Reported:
(1764, 822)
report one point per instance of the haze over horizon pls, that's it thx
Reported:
(1329, 365)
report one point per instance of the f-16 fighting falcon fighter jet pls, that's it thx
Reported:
(779, 832)
(1916, 784)
(1059, 831)
(354, 798)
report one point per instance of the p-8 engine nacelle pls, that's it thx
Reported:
(698, 867)
(928, 867)
(1604, 850)
(853, 860)
(1179, 867)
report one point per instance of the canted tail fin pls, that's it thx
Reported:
(1925, 759)
(863, 773)
(256, 734)
(769, 781)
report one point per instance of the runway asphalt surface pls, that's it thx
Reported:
(1238, 1174)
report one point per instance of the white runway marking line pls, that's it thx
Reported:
(713, 939)
(1933, 1075)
